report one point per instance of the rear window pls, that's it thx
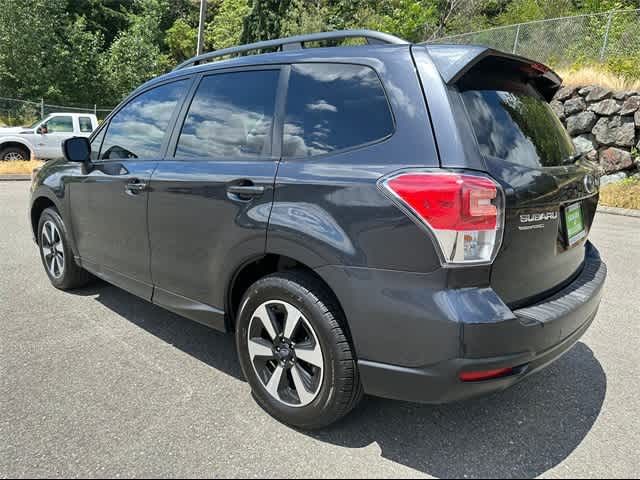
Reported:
(333, 107)
(86, 125)
(519, 126)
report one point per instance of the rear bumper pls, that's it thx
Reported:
(529, 340)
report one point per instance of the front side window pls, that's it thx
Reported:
(333, 107)
(60, 125)
(86, 125)
(138, 130)
(231, 116)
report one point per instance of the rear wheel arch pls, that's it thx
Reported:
(255, 269)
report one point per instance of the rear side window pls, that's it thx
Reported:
(334, 107)
(517, 126)
(231, 116)
(86, 126)
(138, 130)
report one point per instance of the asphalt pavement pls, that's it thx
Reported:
(100, 383)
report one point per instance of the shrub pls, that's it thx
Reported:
(601, 75)
(624, 194)
(626, 67)
(19, 167)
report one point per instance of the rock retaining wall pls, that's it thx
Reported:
(604, 124)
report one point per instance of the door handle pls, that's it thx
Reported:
(246, 191)
(134, 187)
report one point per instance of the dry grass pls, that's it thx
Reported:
(625, 194)
(19, 167)
(596, 76)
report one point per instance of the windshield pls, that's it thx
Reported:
(519, 127)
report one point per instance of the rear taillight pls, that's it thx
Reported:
(463, 211)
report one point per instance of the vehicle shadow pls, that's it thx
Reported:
(522, 432)
(209, 346)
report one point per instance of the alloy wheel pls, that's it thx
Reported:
(52, 249)
(285, 353)
(13, 156)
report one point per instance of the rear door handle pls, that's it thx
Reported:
(135, 187)
(246, 191)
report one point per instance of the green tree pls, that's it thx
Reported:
(26, 39)
(181, 39)
(97, 51)
(405, 18)
(264, 21)
(107, 17)
(595, 6)
(305, 16)
(135, 56)
(45, 52)
(77, 71)
(225, 30)
(519, 11)
(347, 14)
(409, 19)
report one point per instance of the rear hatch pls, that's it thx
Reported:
(551, 193)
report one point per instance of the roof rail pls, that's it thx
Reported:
(297, 42)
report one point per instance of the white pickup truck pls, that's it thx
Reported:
(43, 139)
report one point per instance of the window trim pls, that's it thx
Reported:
(352, 148)
(97, 160)
(276, 125)
(163, 148)
(177, 121)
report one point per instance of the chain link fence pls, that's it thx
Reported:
(568, 41)
(15, 112)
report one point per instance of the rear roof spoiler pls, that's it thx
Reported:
(455, 61)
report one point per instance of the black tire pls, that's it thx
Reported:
(19, 153)
(340, 389)
(70, 275)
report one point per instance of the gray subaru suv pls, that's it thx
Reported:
(405, 221)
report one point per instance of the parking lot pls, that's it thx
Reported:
(100, 383)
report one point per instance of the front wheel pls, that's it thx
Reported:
(294, 351)
(14, 154)
(55, 252)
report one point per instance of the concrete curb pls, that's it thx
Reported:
(625, 212)
(15, 178)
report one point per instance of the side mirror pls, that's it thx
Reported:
(77, 149)
(42, 130)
